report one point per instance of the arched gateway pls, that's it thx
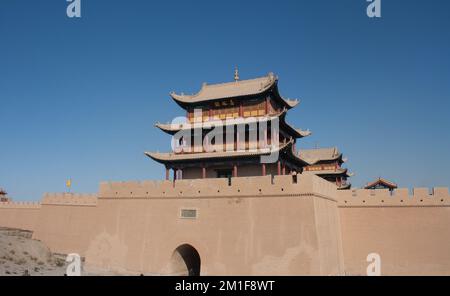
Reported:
(185, 261)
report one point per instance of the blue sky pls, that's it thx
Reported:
(79, 97)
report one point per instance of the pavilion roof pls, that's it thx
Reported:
(176, 157)
(171, 157)
(172, 128)
(313, 156)
(337, 172)
(381, 181)
(235, 89)
(345, 187)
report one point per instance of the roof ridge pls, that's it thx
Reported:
(323, 148)
(230, 83)
(269, 79)
(235, 82)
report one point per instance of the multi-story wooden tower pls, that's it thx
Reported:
(3, 196)
(326, 163)
(245, 114)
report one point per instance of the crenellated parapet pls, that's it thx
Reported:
(20, 205)
(69, 199)
(420, 197)
(267, 186)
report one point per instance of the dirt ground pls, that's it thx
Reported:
(20, 255)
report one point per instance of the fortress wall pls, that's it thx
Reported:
(252, 227)
(329, 236)
(218, 188)
(409, 231)
(19, 215)
(258, 225)
(66, 222)
(420, 197)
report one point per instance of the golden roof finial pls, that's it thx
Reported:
(236, 74)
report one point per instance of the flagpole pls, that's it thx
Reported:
(69, 184)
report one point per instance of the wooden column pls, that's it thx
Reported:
(174, 174)
(279, 168)
(263, 169)
(284, 169)
(235, 171)
(265, 142)
(266, 106)
(167, 173)
(241, 110)
(205, 144)
(204, 172)
(237, 140)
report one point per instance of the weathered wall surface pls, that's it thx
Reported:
(20, 215)
(66, 222)
(251, 227)
(411, 233)
(255, 226)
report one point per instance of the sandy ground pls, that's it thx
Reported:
(21, 255)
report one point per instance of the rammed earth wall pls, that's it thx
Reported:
(409, 231)
(256, 225)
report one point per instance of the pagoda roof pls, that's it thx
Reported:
(345, 187)
(382, 182)
(2, 192)
(296, 132)
(314, 156)
(235, 89)
(166, 158)
(337, 172)
(172, 128)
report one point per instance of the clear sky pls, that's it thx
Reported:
(79, 97)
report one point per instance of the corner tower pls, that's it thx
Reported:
(327, 164)
(4, 196)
